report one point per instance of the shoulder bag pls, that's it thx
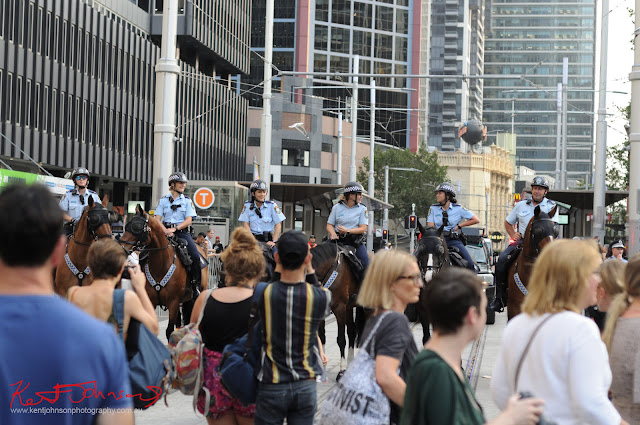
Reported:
(241, 359)
(357, 399)
(149, 359)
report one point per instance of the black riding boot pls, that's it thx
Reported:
(500, 301)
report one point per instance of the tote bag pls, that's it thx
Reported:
(357, 399)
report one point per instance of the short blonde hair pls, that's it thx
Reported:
(386, 268)
(612, 274)
(560, 276)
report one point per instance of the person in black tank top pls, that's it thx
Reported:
(226, 317)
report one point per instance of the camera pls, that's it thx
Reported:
(125, 272)
(541, 420)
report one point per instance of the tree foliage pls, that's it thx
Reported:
(405, 187)
(618, 161)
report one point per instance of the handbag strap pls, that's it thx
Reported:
(253, 315)
(374, 330)
(118, 310)
(208, 292)
(526, 349)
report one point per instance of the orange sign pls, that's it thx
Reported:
(204, 198)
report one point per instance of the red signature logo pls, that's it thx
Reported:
(76, 393)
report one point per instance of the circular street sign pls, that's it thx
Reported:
(204, 198)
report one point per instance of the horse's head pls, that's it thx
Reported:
(96, 217)
(137, 231)
(541, 230)
(432, 252)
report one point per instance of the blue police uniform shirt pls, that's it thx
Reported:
(271, 215)
(455, 214)
(350, 218)
(71, 204)
(175, 215)
(522, 213)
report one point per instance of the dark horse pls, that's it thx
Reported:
(541, 230)
(165, 273)
(334, 273)
(432, 254)
(94, 223)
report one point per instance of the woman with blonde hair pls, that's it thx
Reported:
(551, 350)
(392, 282)
(226, 317)
(612, 284)
(621, 337)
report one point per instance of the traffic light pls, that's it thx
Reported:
(385, 234)
(410, 222)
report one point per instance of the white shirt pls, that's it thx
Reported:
(567, 366)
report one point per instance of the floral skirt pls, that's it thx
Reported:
(221, 402)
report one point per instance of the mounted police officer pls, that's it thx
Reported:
(263, 218)
(348, 220)
(74, 201)
(454, 217)
(520, 215)
(175, 211)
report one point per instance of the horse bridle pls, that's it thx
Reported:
(95, 219)
(139, 227)
(533, 244)
(434, 269)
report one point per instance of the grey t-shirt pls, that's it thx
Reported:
(394, 339)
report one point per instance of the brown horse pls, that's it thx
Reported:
(334, 273)
(541, 230)
(93, 224)
(165, 273)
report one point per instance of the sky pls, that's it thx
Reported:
(620, 61)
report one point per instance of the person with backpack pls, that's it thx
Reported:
(244, 265)
(107, 264)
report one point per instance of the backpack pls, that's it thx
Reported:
(187, 354)
(149, 360)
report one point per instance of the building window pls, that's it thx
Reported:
(319, 62)
(384, 46)
(361, 43)
(321, 37)
(362, 15)
(341, 12)
(401, 49)
(340, 40)
(295, 157)
(18, 100)
(27, 105)
(322, 10)
(384, 18)
(284, 34)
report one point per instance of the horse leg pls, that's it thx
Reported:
(321, 333)
(174, 316)
(421, 309)
(341, 319)
(352, 333)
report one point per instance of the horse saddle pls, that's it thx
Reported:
(456, 258)
(182, 251)
(349, 253)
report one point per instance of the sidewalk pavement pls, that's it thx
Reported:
(180, 410)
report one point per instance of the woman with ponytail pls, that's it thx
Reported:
(226, 314)
(621, 337)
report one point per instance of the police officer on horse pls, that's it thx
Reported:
(263, 218)
(348, 220)
(446, 211)
(73, 202)
(521, 215)
(175, 212)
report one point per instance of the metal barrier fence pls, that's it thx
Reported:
(215, 267)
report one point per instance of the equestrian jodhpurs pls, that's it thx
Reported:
(193, 253)
(463, 251)
(361, 253)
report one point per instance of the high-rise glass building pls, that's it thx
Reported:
(531, 39)
(456, 46)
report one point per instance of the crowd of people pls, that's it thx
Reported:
(553, 362)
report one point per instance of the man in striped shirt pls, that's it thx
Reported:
(291, 311)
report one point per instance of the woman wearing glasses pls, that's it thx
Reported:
(73, 202)
(392, 281)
